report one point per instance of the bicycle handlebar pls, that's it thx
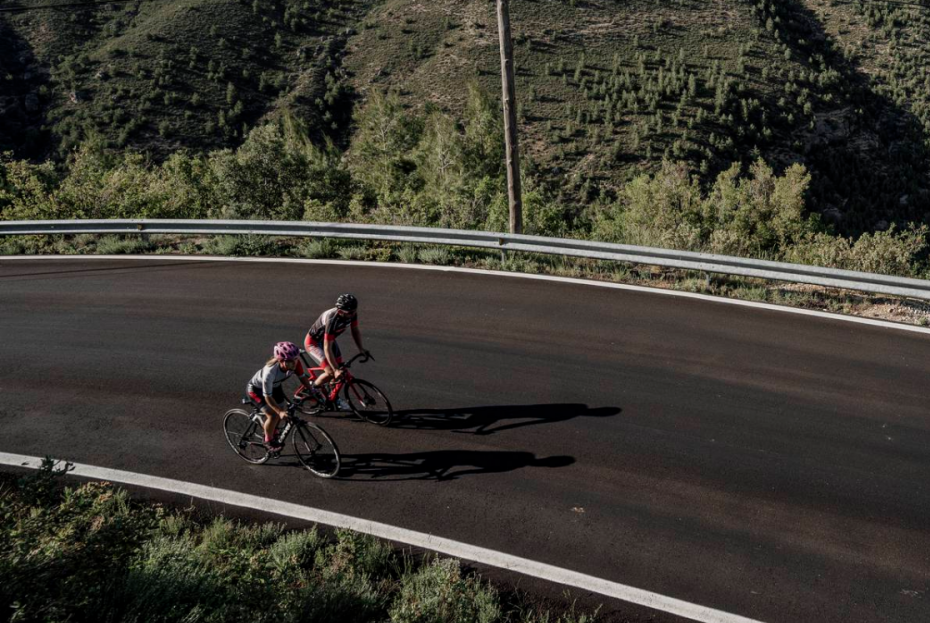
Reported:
(292, 407)
(364, 356)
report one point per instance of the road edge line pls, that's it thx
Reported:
(886, 324)
(431, 542)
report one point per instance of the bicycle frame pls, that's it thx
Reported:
(308, 439)
(315, 371)
(337, 385)
(360, 395)
(292, 418)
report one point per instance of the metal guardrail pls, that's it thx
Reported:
(778, 271)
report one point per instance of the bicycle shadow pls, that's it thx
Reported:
(488, 420)
(441, 465)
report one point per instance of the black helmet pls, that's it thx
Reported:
(347, 302)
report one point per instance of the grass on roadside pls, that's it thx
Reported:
(90, 553)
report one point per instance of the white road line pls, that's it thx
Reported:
(478, 271)
(400, 535)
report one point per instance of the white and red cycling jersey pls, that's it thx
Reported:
(270, 378)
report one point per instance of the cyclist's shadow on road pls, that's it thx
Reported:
(494, 419)
(441, 465)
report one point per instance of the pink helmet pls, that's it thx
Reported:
(285, 351)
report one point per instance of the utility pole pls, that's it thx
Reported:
(514, 191)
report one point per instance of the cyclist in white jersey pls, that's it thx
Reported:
(320, 342)
(265, 387)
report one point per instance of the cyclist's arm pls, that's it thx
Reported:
(357, 336)
(329, 336)
(302, 376)
(328, 352)
(277, 408)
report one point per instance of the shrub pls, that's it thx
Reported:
(101, 185)
(115, 245)
(518, 263)
(247, 245)
(319, 249)
(295, 550)
(168, 582)
(275, 173)
(66, 549)
(407, 254)
(890, 253)
(435, 255)
(22, 245)
(761, 215)
(362, 555)
(659, 211)
(354, 252)
(328, 212)
(67, 246)
(429, 171)
(438, 593)
(886, 252)
(25, 189)
(222, 245)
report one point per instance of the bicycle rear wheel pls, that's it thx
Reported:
(316, 450)
(368, 402)
(245, 436)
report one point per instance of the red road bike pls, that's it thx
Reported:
(364, 399)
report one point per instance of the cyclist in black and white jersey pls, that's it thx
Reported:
(265, 387)
(320, 342)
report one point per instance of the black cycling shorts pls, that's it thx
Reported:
(255, 393)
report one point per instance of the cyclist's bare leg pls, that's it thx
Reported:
(330, 353)
(327, 374)
(270, 424)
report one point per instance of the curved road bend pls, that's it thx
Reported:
(765, 464)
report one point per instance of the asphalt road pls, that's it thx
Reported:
(765, 464)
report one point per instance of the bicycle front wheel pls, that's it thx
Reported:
(316, 450)
(308, 405)
(368, 402)
(245, 436)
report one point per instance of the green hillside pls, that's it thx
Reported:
(158, 76)
(607, 89)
